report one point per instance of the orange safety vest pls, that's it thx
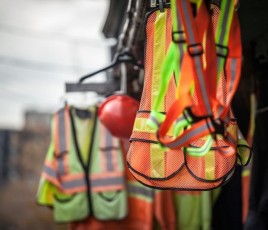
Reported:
(206, 112)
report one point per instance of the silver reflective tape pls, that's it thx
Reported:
(181, 118)
(61, 131)
(108, 150)
(154, 120)
(107, 181)
(61, 165)
(138, 190)
(198, 65)
(49, 171)
(188, 22)
(231, 139)
(220, 110)
(181, 53)
(233, 73)
(179, 21)
(76, 183)
(189, 135)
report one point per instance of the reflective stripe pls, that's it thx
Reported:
(158, 55)
(201, 81)
(231, 140)
(60, 162)
(139, 190)
(223, 30)
(219, 112)
(75, 183)
(49, 171)
(188, 136)
(157, 160)
(188, 28)
(63, 134)
(210, 165)
(107, 181)
(141, 125)
(233, 74)
(154, 120)
(224, 26)
(108, 150)
(180, 119)
(197, 59)
(49, 174)
(62, 131)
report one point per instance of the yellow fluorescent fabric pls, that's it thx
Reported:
(210, 165)
(159, 54)
(157, 161)
(84, 129)
(141, 125)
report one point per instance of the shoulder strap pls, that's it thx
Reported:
(61, 131)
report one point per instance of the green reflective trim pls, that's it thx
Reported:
(223, 31)
(200, 151)
(181, 141)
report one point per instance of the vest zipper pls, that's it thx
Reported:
(86, 167)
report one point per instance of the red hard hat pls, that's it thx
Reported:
(118, 114)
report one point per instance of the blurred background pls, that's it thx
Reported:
(43, 44)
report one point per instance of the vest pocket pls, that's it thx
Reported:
(110, 205)
(68, 208)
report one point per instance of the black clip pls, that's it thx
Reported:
(161, 6)
(195, 49)
(178, 37)
(222, 51)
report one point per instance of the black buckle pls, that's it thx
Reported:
(219, 127)
(195, 49)
(178, 37)
(222, 51)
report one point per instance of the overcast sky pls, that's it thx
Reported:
(42, 45)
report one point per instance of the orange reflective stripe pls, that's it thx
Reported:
(109, 148)
(56, 133)
(115, 149)
(62, 131)
(61, 136)
(50, 174)
(103, 159)
(195, 49)
(73, 183)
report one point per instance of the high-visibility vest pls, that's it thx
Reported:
(145, 206)
(88, 183)
(196, 129)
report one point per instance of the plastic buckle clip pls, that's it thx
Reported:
(222, 51)
(195, 49)
(178, 37)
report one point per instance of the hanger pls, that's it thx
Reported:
(124, 57)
